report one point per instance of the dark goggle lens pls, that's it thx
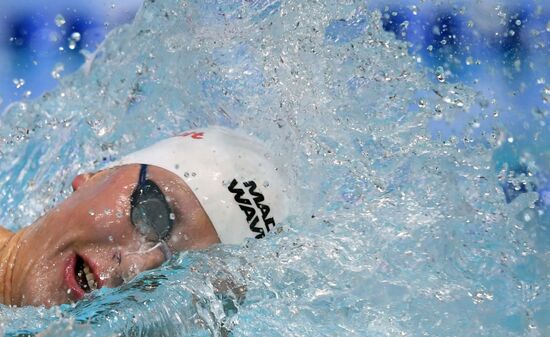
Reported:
(150, 212)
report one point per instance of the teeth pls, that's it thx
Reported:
(89, 277)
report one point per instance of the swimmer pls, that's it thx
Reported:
(203, 187)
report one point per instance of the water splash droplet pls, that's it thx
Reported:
(75, 36)
(98, 127)
(19, 82)
(481, 296)
(440, 74)
(57, 70)
(73, 40)
(59, 20)
(546, 95)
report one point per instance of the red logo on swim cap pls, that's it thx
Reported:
(193, 134)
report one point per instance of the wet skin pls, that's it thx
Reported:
(38, 265)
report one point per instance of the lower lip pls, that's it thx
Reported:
(75, 291)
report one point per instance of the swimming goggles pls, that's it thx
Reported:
(150, 212)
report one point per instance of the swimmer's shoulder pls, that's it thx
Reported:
(5, 235)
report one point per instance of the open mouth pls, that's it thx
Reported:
(84, 275)
(80, 277)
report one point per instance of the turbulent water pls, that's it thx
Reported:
(396, 232)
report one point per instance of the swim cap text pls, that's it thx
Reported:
(247, 206)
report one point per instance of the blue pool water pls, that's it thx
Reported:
(399, 230)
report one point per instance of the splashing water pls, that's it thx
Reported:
(395, 233)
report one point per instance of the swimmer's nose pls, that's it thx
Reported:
(80, 180)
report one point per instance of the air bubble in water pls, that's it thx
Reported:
(469, 60)
(518, 22)
(172, 216)
(470, 24)
(510, 139)
(59, 20)
(19, 82)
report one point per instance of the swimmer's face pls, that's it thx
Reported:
(89, 241)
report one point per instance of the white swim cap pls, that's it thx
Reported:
(243, 193)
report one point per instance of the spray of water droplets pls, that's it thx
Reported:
(395, 232)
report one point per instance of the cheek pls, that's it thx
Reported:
(107, 225)
(138, 259)
(44, 283)
(179, 240)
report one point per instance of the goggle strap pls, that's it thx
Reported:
(142, 173)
